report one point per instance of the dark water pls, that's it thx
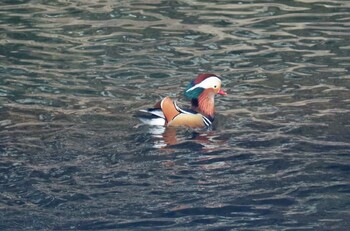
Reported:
(73, 73)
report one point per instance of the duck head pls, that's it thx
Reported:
(202, 90)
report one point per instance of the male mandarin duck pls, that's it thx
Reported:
(201, 92)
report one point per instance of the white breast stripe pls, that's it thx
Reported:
(206, 121)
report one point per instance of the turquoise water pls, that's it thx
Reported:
(74, 157)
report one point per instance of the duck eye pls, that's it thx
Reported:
(215, 86)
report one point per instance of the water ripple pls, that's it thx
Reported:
(73, 74)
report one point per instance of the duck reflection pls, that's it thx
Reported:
(182, 137)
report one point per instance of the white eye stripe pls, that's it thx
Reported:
(207, 83)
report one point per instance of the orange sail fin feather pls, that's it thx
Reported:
(169, 109)
(201, 92)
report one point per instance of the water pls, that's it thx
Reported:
(73, 74)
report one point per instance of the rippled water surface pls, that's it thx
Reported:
(73, 74)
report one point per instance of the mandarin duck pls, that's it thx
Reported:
(201, 92)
